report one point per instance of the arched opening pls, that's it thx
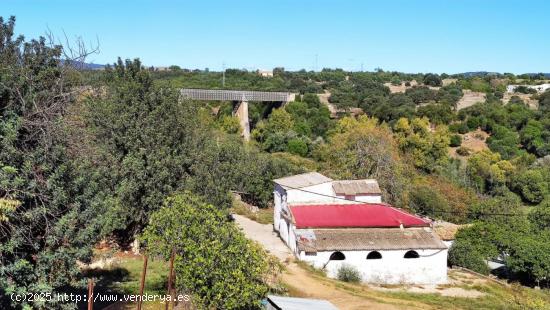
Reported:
(374, 255)
(411, 254)
(337, 256)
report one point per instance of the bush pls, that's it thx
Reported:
(531, 185)
(432, 79)
(230, 124)
(297, 147)
(463, 151)
(461, 128)
(349, 273)
(464, 255)
(456, 140)
(425, 200)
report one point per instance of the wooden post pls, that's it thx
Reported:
(170, 279)
(90, 294)
(142, 284)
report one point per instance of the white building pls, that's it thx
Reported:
(539, 88)
(385, 244)
(265, 73)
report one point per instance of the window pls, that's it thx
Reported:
(411, 254)
(374, 255)
(337, 256)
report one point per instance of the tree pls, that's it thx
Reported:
(532, 138)
(455, 141)
(230, 124)
(214, 261)
(297, 147)
(504, 141)
(431, 79)
(488, 171)
(150, 140)
(426, 149)
(41, 217)
(532, 185)
(359, 149)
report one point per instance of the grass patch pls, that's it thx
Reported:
(263, 216)
(124, 276)
(311, 269)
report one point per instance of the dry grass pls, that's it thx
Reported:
(262, 216)
(469, 99)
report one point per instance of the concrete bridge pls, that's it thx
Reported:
(240, 99)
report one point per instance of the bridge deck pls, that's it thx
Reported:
(235, 95)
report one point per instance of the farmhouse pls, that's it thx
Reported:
(330, 224)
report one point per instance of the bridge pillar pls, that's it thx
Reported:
(241, 112)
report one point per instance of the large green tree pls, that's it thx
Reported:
(41, 217)
(214, 261)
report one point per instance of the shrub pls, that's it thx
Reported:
(456, 140)
(463, 151)
(425, 200)
(230, 124)
(297, 147)
(461, 128)
(349, 273)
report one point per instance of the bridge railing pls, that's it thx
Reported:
(235, 95)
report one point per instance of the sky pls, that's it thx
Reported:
(410, 36)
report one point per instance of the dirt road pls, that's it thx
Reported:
(264, 235)
(304, 283)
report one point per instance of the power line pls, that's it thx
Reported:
(434, 211)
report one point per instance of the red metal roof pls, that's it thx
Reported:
(353, 215)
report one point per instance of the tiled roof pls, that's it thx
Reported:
(354, 239)
(355, 187)
(303, 180)
(353, 215)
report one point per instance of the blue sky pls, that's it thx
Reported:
(410, 36)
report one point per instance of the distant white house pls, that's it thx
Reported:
(265, 73)
(539, 88)
(331, 223)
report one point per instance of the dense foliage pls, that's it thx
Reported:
(42, 216)
(214, 260)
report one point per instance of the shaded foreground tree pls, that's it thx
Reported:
(40, 214)
(215, 263)
(146, 137)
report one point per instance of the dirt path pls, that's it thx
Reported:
(346, 297)
(304, 283)
(264, 234)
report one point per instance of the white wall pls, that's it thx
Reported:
(307, 194)
(277, 198)
(365, 198)
(429, 268)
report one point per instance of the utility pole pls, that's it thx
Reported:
(316, 62)
(223, 74)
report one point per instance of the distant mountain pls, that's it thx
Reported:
(87, 66)
(478, 73)
(92, 66)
